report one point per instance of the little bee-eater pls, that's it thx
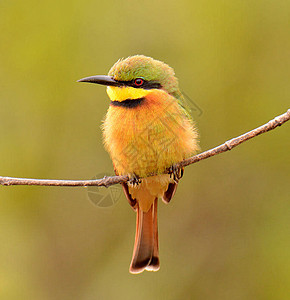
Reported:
(147, 130)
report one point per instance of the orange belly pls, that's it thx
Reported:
(150, 188)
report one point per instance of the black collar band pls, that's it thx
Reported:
(129, 103)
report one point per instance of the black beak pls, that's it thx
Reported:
(101, 79)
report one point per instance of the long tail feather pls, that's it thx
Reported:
(145, 254)
(154, 263)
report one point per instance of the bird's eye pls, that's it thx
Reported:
(138, 82)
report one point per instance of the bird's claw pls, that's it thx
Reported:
(134, 180)
(175, 173)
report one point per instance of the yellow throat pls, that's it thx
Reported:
(125, 93)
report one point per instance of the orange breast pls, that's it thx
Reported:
(150, 137)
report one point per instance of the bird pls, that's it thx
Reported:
(147, 130)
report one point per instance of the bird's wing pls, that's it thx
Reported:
(131, 201)
(183, 104)
(167, 196)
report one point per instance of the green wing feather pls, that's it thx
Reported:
(182, 103)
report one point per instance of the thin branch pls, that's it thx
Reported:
(107, 181)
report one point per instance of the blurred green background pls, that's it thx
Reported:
(226, 233)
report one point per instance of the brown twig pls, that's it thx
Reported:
(107, 181)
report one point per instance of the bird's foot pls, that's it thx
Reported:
(175, 173)
(134, 180)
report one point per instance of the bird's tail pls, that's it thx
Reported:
(146, 252)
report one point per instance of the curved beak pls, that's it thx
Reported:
(101, 79)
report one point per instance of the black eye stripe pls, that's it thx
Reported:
(147, 85)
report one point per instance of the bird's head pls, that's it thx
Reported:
(135, 77)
